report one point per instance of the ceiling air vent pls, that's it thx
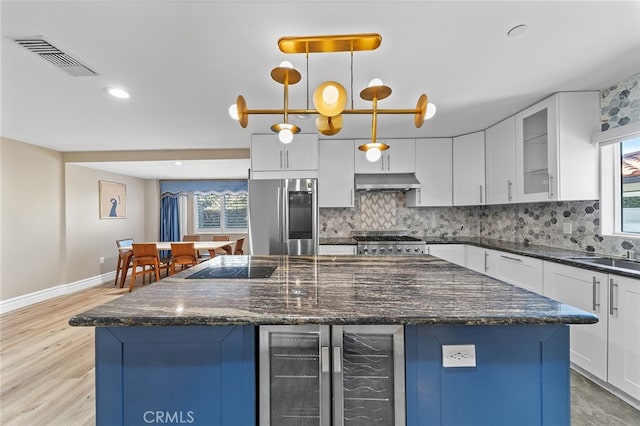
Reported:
(57, 57)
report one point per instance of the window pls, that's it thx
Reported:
(220, 212)
(628, 193)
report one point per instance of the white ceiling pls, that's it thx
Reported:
(185, 62)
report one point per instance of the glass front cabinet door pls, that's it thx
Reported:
(536, 152)
(338, 375)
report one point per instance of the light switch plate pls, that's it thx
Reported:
(458, 355)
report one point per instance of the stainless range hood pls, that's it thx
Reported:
(387, 182)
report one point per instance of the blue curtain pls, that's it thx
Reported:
(169, 221)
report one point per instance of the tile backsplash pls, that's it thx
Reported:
(537, 223)
(620, 104)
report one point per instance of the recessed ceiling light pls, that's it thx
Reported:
(118, 93)
(517, 30)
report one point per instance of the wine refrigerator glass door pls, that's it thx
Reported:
(295, 376)
(368, 375)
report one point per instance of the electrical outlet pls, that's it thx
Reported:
(101, 260)
(458, 355)
(566, 228)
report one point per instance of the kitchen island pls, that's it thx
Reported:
(184, 349)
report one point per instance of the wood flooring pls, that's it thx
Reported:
(47, 369)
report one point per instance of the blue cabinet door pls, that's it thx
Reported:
(521, 376)
(175, 375)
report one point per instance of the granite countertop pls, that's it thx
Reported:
(333, 290)
(553, 254)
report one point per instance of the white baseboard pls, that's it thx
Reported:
(49, 293)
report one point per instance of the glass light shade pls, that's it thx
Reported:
(376, 82)
(373, 154)
(330, 94)
(286, 64)
(233, 111)
(285, 135)
(431, 111)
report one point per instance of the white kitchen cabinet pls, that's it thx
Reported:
(624, 334)
(434, 171)
(468, 169)
(399, 158)
(523, 271)
(554, 158)
(586, 290)
(268, 154)
(500, 154)
(454, 253)
(336, 250)
(335, 180)
(480, 259)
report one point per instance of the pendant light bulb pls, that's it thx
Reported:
(330, 95)
(285, 136)
(373, 154)
(431, 111)
(233, 111)
(286, 64)
(375, 82)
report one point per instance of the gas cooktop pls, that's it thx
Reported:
(384, 238)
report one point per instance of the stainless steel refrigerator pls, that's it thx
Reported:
(283, 216)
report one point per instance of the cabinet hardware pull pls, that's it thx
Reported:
(324, 359)
(351, 196)
(550, 185)
(281, 166)
(511, 258)
(612, 308)
(480, 194)
(287, 159)
(337, 360)
(419, 196)
(389, 162)
(595, 304)
(486, 256)
(509, 189)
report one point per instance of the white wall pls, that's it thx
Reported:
(88, 237)
(32, 219)
(51, 231)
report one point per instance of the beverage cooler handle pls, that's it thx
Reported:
(324, 359)
(337, 360)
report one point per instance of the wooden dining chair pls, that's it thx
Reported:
(123, 256)
(146, 255)
(224, 249)
(238, 250)
(192, 237)
(183, 254)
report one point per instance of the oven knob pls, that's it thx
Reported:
(390, 249)
(381, 249)
(408, 249)
(373, 250)
(399, 249)
(416, 249)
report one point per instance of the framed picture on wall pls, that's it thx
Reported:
(113, 200)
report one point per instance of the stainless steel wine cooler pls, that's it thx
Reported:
(332, 375)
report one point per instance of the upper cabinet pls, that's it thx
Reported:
(554, 159)
(468, 169)
(434, 171)
(335, 183)
(399, 158)
(268, 154)
(500, 153)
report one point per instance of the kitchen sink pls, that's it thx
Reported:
(610, 262)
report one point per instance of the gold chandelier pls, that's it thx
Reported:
(330, 98)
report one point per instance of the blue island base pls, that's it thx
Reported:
(206, 376)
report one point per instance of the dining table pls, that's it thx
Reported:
(210, 246)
